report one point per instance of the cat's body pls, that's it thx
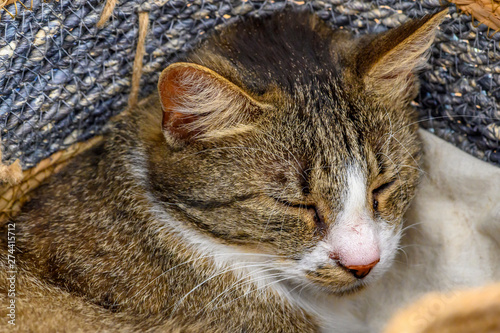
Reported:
(269, 189)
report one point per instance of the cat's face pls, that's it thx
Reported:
(317, 174)
(323, 190)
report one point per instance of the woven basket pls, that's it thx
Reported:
(62, 77)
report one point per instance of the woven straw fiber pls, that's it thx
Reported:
(13, 196)
(62, 77)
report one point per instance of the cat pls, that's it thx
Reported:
(260, 190)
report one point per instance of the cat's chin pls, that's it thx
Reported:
(333, 288)
(341, 291)
(356, 288)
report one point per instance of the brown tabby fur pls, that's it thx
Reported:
(92, 254)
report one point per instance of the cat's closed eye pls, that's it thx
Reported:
(379, 190)
(311, 209)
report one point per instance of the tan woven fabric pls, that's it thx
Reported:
(470, 311)
(13, 196)
(11, 174)
(486, 12)
(4, 3)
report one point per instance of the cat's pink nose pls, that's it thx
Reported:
(360, 271)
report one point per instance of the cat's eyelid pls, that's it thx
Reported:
(293, 204)
(384, 186)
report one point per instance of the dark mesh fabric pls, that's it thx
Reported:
(62, 78)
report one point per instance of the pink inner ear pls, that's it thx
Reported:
(171, 90)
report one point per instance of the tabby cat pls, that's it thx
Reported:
(260, 190)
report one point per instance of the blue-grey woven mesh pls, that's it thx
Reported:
(62, 78)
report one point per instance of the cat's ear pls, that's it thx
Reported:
(390, 62)
(199, 103)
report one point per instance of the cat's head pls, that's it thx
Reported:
(284, 137)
